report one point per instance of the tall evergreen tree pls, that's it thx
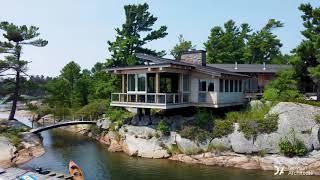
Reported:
(136, 32)
(226, 45)
(263, 45)
(15, 37)
(182, 46)
(309, 49)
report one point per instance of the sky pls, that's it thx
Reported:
(78, 30)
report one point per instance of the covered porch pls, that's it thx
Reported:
(161, 90)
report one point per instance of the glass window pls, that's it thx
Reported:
(240, 85)
(202, 85)
(151, 82)
(226, 85)
(186, 80)
(141, 82)
(221, 85)
(211, 86)
(235, 85)
(131, 82)
(231, 85)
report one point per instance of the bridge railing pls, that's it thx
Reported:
(44, 121)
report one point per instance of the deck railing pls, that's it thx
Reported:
(153, 98)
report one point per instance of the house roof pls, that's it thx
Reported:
(212, 69)
(205, 69)
(251, 68)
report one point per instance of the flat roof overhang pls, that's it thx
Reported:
(152, 67)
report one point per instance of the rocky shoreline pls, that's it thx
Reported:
(143, 141)
(29, 147)
(233, 150)
(10, 155)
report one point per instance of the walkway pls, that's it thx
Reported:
(60, 124)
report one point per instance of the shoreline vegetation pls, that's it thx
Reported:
(255, 140)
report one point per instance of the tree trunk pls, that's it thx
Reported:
(16, 92)
(318, 90)
(15, 96)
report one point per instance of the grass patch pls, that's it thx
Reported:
(173, 149)
(216, 147)
(317, 118)
(14, 134)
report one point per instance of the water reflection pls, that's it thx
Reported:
(97, 163)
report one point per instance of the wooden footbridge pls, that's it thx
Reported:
(60, 124)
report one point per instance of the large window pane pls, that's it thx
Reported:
(141, 82)
(186, 80)
(236, 85)
(151, 83)
(240, 85)
(226, 85)
(131, 82)
(169, 82)
(202, 85)
(211, 86)
(221, 85)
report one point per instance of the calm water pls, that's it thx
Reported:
(97, 163)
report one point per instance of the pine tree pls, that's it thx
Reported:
(136, 32)
(15, 37)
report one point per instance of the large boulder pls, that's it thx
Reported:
(7, 152)
(299, 119)
(186, 145)
(104, 123)
(138, 131)
(239, 143)
(31, 140)
(149, 148)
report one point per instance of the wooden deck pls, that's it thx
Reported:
(16, 173)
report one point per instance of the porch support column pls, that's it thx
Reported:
(157, 87)
(123, 83)
(157, 83)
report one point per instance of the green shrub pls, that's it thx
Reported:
(253, 127)
(118, 114)
(203, 117)
(269, 124)
(95, 130)
(294, 147)
(317, 118)
(222, 128)
(163, 127)
(194, 133)
(271, 94)
(234, 116)
(44, 110)
(94, 109)
(283, 88)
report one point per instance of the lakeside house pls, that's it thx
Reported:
(163, 83)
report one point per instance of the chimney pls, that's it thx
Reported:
(197, 57)
(236, 65)
(264, 66)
